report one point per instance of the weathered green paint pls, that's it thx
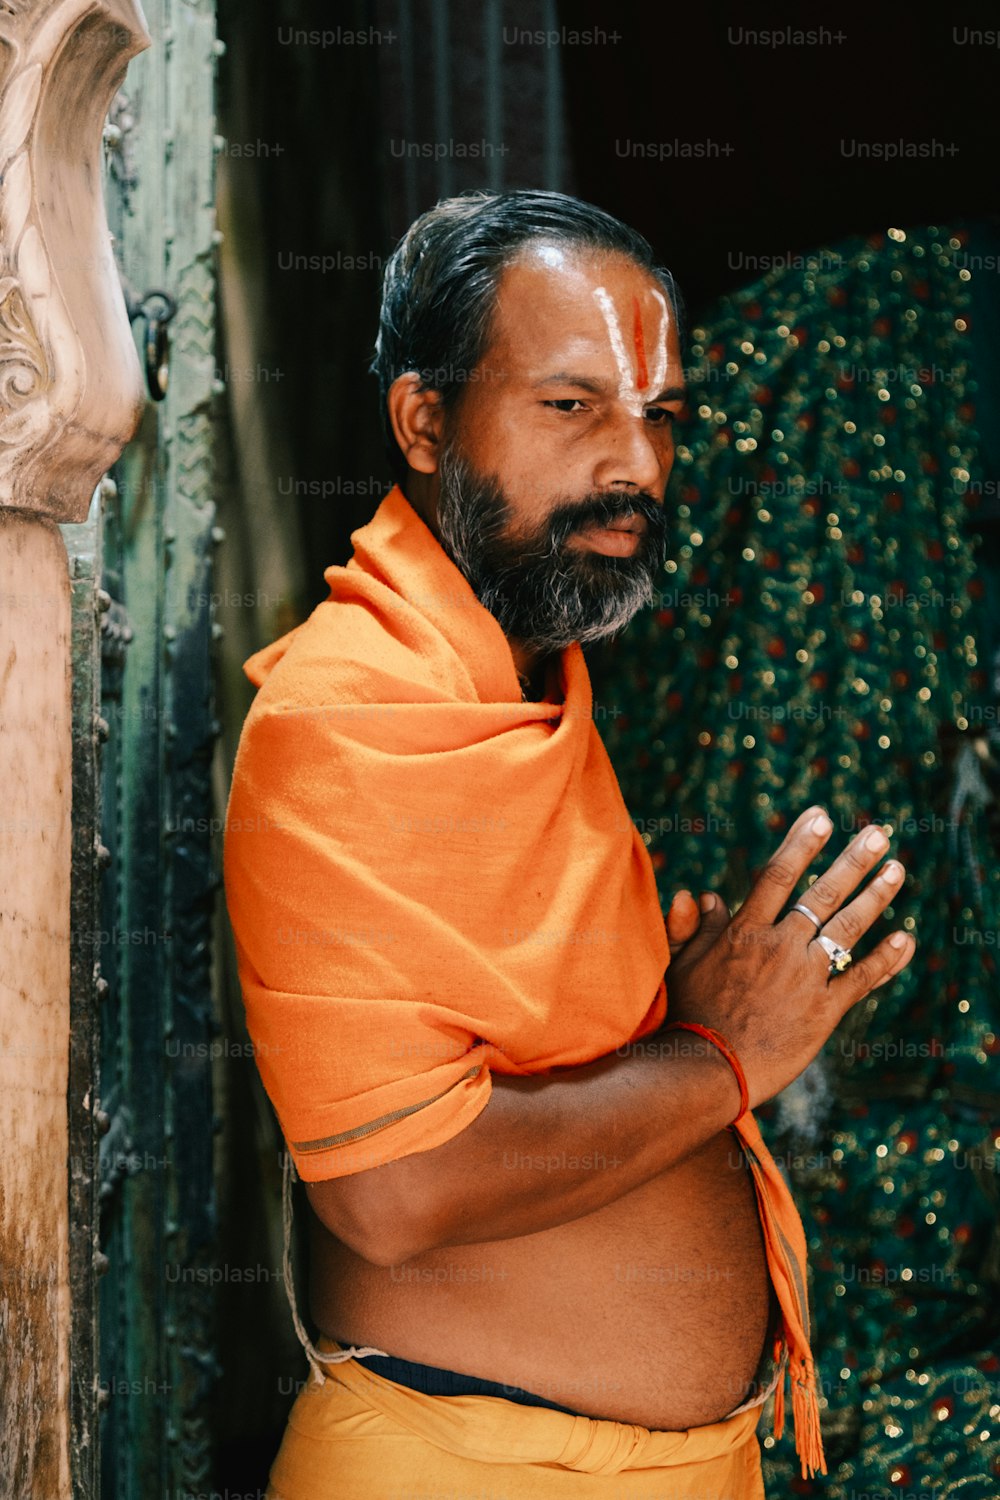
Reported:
(83, 546)
(142, 1192)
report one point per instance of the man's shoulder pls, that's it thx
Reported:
(349, 652)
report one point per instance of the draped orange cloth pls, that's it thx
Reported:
(359, 1435)
(429, 880)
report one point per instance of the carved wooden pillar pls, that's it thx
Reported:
(70, 398)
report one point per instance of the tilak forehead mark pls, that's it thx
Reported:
(630, 386)
(660, 368)
(641, 373)
(607, 307)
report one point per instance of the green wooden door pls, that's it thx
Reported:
(145, 866)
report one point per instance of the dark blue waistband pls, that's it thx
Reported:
(435, 1382)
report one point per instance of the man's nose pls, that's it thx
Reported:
(635, 455)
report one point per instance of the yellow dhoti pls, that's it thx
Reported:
(359, 1436)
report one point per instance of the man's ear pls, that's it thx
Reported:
(417, 418)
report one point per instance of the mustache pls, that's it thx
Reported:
(603, 507)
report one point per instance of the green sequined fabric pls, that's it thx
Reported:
(826, 632)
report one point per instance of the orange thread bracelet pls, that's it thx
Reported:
(727, 1052)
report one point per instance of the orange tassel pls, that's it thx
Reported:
(805, 1416)
(779, 1406)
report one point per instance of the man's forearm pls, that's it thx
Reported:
(542, 1152)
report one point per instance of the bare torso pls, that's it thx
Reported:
(653, 1310)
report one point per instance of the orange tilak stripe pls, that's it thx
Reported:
(642, 373)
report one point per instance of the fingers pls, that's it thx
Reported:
(883, 963)
(682, 919)
(786, 867)
(714, 921)
(853, 920)
(827, 895)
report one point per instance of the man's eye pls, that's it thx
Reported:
(660, 416)
(564, 403)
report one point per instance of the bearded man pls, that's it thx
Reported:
(548, 1240)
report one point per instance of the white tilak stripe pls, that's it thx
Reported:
(626, 380)
(659, 373)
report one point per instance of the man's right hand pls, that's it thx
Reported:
(766, 985)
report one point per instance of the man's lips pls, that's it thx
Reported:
(636, 524)
(619, 538)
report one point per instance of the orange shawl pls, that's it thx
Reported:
(429, 879)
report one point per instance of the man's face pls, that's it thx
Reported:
(565, 429)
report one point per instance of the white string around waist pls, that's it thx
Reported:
(315, 1358)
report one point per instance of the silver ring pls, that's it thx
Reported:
(840, 958)
(799, 906)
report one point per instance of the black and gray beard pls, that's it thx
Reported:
(543, 593)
